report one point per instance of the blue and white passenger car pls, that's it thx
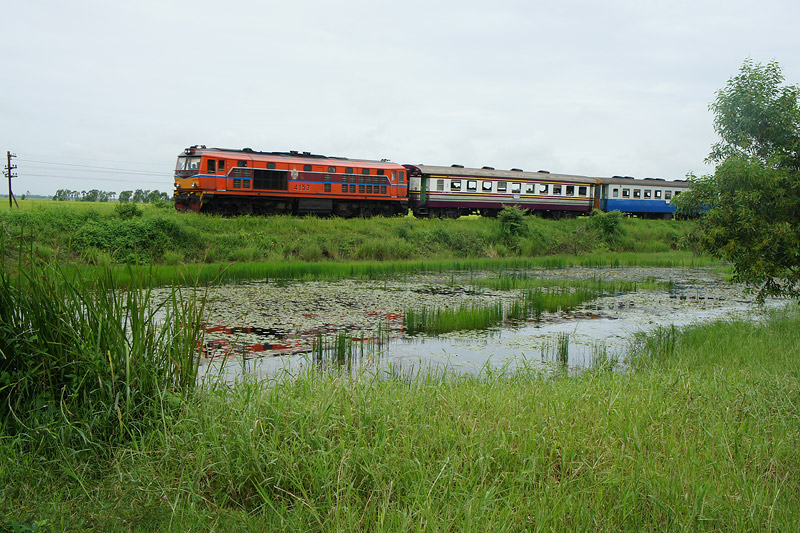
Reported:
(647, 198)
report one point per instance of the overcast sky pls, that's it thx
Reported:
(577, 87)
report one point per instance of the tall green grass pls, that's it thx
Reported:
(91, 362)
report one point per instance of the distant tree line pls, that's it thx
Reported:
(140, 196)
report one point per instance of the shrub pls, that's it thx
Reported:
(126, 211)
(513, 225)
(607, 226)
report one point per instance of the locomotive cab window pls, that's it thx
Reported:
(243, 164)
(221, 165)
(472, 185)
(516, 187)
(212, 165)
(455, 185)
(637, 193)
(187, 163)
(401, 176)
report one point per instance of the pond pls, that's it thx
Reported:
(263, 327)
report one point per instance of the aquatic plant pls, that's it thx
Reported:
(95, 361)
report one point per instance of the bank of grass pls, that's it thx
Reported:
(701, 432)
(105, 234)
(303, 270)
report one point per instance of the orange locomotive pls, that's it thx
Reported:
(220, 180)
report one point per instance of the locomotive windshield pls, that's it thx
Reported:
(188, 163)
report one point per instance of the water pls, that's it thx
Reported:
(264, 328)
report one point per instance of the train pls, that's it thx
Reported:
(246, 181)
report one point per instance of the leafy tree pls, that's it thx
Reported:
(125, 196)
(749, 209)
(757, 118)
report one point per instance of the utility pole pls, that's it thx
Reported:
(10, 174)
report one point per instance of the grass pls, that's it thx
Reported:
(702, 435)
(159, 236)
(91, 363)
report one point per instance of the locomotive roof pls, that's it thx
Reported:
(293, 154)
(506, 174)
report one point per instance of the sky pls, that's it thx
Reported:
(102, 94)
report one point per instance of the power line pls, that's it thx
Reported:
(91, 169)
(44, 156)
(87, 166)
(73, 178)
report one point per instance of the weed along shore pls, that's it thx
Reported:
(384, 412)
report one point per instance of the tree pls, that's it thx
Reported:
(749, 209)
(125, 196)
(757, 118)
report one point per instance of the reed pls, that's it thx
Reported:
(435, 321)
(531, 303)
(92, 362)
